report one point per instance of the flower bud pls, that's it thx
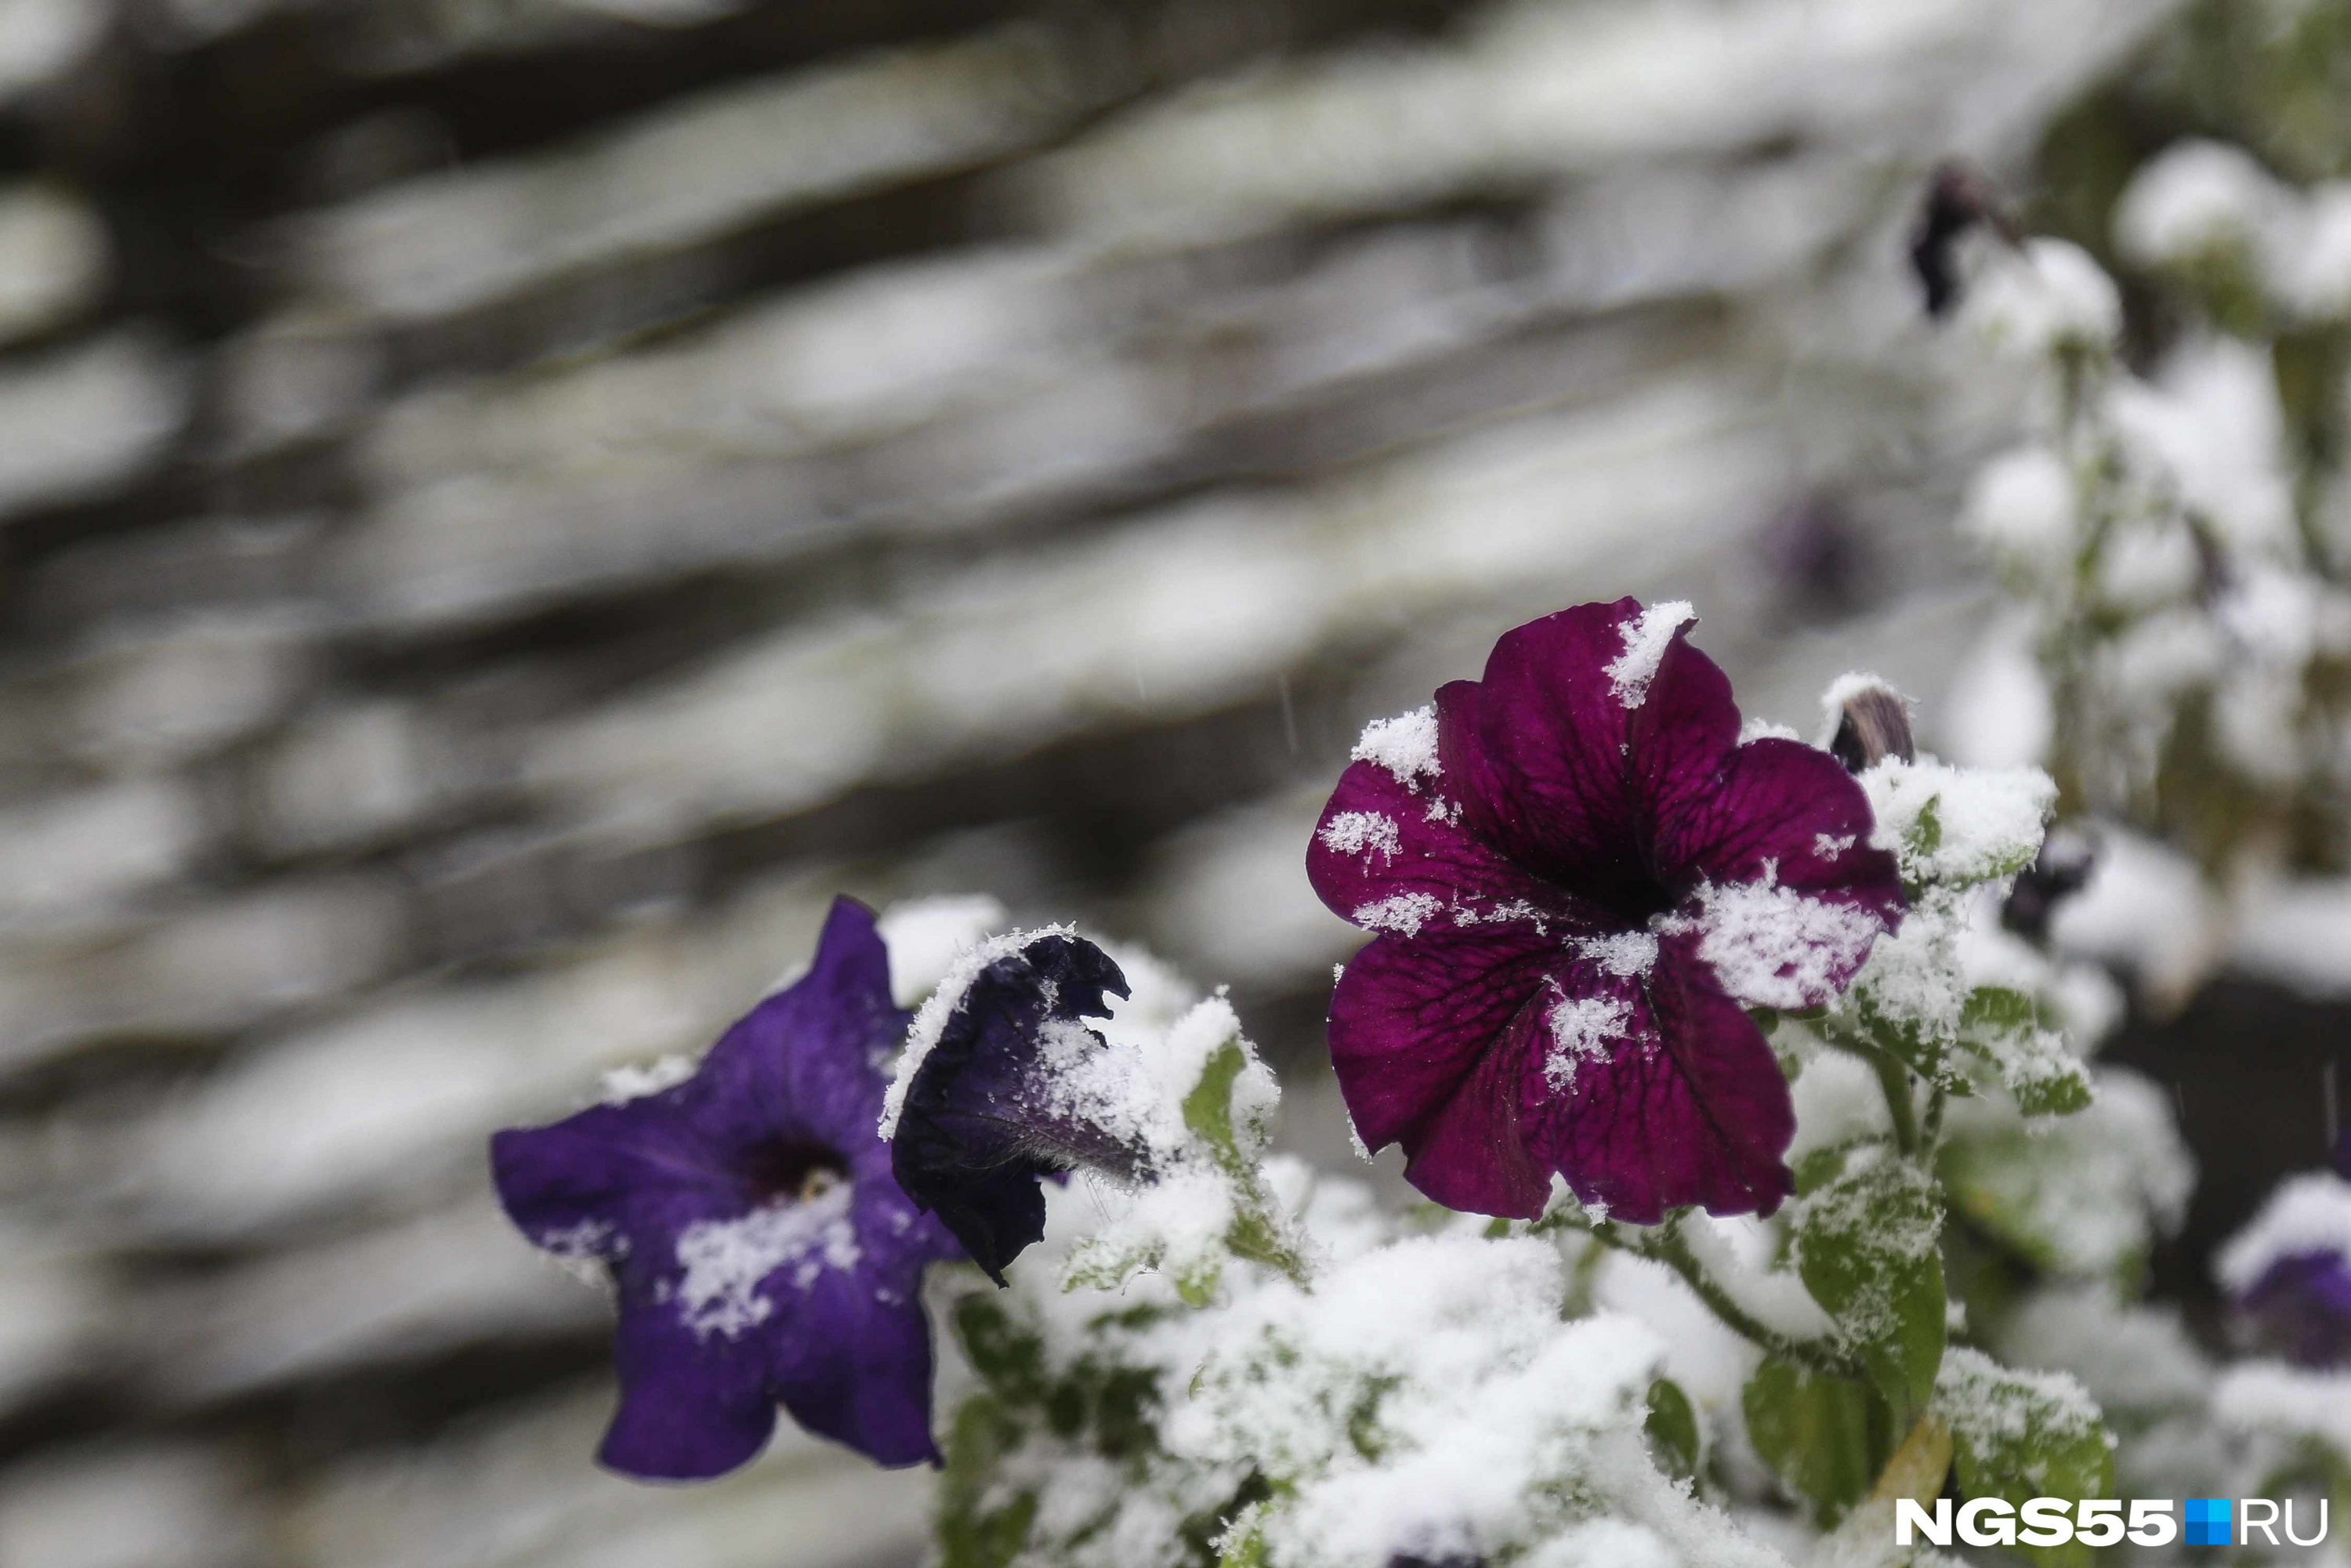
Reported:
(1873, 722)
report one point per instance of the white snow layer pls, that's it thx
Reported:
(725, 1260)
(1647, 638)
(2310, 1213)
(1406, 745)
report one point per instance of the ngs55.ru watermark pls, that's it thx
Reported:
(2103, 1522)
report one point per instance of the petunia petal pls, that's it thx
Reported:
(805, 1062)
(857, 1368)
(1471, 1152)
(1787, 892)
(987, 1113)
(1579, 748)
(1394, 856)
(691, 1407)
(1411, 1017)
(2301, 1306)
(609, 1179)
(1657, 1091)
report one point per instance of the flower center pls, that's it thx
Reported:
(795, 1173)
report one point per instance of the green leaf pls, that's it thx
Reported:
(1209, 1111)
(2003, 1028)
(973, 1535)
(1923, 1044)
(1009, 1359)
(1672, 1429)
(2066, 1198)
(1867, 1246)
(1925, 834)
(2023, 1435)
(1825, 1437)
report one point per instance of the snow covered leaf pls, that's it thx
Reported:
(1672, 1427)
(1954, 827)
(1899, 1016)
(1826, 1438)
(1867, 1247)
(2023, 1435)
(980, 1525)
(2082, 1196)
(2003, 1028)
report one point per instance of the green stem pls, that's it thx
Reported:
(1932, 1132)
(1667, 1245)
(1894, 1077)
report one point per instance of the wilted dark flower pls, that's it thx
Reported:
(760, 1249)
(998, 1099)
(1958, 198)
(2061, 870)
(1579, 873)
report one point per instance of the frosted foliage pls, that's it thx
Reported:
(1647, 638)
(1406, 745)
(2133, 1360)
(1995, 1406)
(1427, 1398)
(1987, 821)
(2022, 507)
(1322, 1385)
(2088, 1194)
(2048, 296)
(2269, 1398)
(732, 1266)
(2168, 534)
(2308, 1214)
(1425, 1388)
(2197, 197)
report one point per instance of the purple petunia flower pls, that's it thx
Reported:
(760, 1249)
(2301, 1306)
(2290, 1269)
(992, 1103)
(1581, 877)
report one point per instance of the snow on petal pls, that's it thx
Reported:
(1406, 745)
(725, 1260)
(1647, 638)
(1778, 946)
(1363, 834)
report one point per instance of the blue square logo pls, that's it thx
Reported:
(2207, 1518)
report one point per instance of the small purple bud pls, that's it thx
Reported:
(1874, 723)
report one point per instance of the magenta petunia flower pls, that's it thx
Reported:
(1581, 878)
(759, 1247)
